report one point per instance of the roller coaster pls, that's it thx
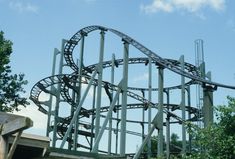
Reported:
(95, 102)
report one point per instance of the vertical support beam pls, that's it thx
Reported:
(14, 144)
(124, 99)
(73, 108)
(76, 125)
(208, 105)
(99, 89)
(160, 110)
(149, 106)
(93, 116)
(3, 146)
(183, 106)
(80, 67)
(189, 117)
(142, 127)
(110, 119)
(58, 95)
(70, 144)
(143, 117)
(117, 132)
(168, 125)
(56, 52)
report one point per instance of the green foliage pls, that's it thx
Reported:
(175, 144)
(218, 139)
(11, 85)
(154, 143)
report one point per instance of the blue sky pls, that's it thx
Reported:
(168, 27)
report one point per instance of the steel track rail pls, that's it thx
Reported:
(70, 45)
(143, 60)
(52, 80)
(172, 107)
(47, 82)
(137, 97)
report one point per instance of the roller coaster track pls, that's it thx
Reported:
(172, 107)
(70, 45)
(143, 60)
(69, 81)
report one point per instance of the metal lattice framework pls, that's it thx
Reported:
(66, 88)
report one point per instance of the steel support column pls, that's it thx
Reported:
(56, 52)
(73, 108)
(76, 125)
(143, 117)
(189, 117)
(149, 106)
(168, 125)
(110, 119)
(124, 99)
(160, 110)
(93, 117)
(183, 106)
(208, 105)
(116, 144)
(99, 88)
(56, 113)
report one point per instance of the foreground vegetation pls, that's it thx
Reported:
(217, 141)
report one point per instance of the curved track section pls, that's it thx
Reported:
(70, 45)
(68, 80)
(143, 60)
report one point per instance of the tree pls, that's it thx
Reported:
(154, 141)
(11, 85)
(217, 140)
(175, 144)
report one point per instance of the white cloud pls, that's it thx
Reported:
(196, 5)
(23, 7)
(143, 77)
(157, 5)
(44, 97)
(218, 4)
(192, 6)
